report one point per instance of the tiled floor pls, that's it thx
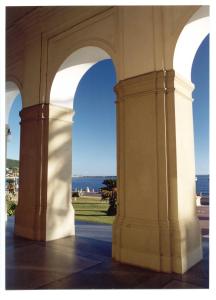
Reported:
(84, 262)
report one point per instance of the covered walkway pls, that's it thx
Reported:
(85, 262)
(49, 49)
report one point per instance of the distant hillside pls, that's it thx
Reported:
(12, 163)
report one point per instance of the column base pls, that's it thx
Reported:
(60, 225)
(186, 245)
(52, 227)
(155, 246)
(138, 242)
(184, 263)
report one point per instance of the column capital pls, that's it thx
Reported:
(46, 111)
(149, 83)
(156, 82)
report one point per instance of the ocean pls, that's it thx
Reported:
(202, 185)
(95, 183)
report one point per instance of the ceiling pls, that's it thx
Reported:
(14, 13)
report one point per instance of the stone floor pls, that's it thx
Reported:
(85, 262)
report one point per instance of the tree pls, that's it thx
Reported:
(110, 192)
(112, 210)
(110, 184)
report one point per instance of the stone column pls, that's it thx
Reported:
(156, 226)
(44, 210)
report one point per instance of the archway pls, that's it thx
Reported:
(200, 77)
(62, 94)
(189, 41)
(12, 91)
(70, 73)
(12, 135)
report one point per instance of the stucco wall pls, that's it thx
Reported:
(138, 39)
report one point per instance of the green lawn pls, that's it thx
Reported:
(91, 210)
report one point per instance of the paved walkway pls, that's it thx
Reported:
(84, 262)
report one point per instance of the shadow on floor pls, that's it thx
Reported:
(84, 262)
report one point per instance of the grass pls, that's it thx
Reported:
(91, 209)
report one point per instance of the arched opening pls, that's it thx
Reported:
(12, 91)
(191, 60)
(12, 144)
(189, 41)
(200, 77)
(82, 85)
(70, 73)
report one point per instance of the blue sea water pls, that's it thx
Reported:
(93, 183)
(202, 183)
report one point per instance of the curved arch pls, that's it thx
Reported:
(71, 71)
(189, 41)
(98, 43)
(12, 91)
(15, 80)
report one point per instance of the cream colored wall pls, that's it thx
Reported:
(32, 40)
(149, 35)
(99, 31)
(32, 69)
(15, 45)
(139, 39)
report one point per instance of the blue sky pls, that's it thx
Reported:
(94, 128)
(200, 77)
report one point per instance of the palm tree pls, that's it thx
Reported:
(110, 192)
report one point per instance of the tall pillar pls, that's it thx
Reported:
(156, 226)
(44, 210)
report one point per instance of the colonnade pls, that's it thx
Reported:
(156, 226)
